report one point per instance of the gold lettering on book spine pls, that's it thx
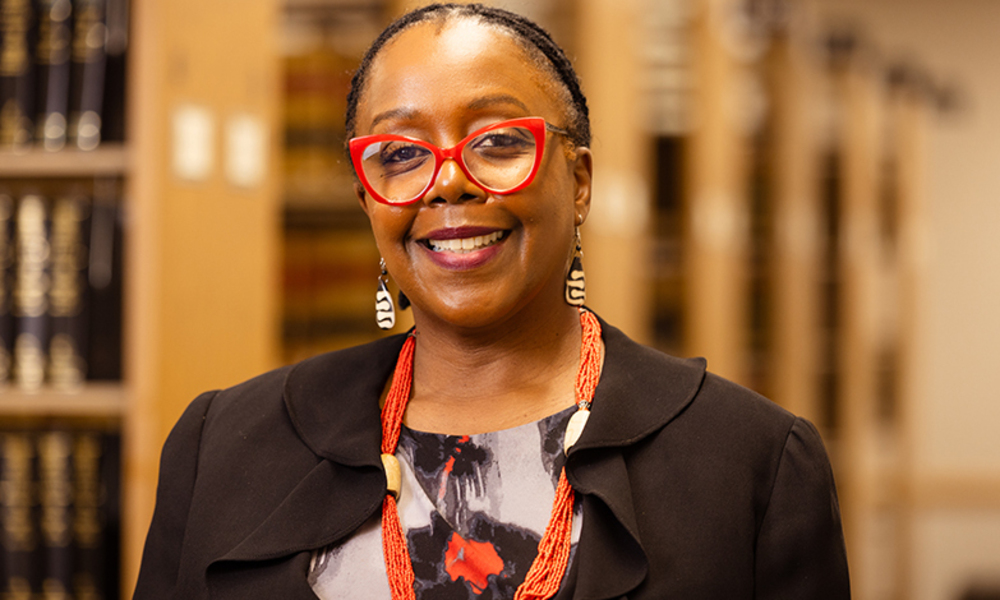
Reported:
(55, 493)
(32, 283)
(89, 32)
(54, 33)
(69, 257)
(87, 526)
(16, 494)
(15, 17)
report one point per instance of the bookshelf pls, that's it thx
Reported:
(200, 247)
(110, 160)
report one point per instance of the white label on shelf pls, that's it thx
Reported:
(246, 150)
(194, 147)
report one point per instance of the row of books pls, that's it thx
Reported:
(330, 276)
(315, 165)
(60, 508)
(62, 68)
(60, 290)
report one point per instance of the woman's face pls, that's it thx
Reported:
(440, 84)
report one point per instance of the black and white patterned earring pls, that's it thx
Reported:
(576, 286)
(385, 312)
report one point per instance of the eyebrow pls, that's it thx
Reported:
(395, 113)
(488, 101)
(477, 104)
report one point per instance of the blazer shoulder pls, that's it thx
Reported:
(732, 396)
(261, 396)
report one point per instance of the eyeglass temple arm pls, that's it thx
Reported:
(554, 129)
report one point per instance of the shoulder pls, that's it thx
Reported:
(286, 402)
(323, 407)
(646, 392)
(332, 374)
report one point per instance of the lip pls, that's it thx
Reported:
(462, 262)
(453, 233)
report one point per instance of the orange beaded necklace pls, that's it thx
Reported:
(546, 572)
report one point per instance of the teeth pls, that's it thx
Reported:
(465, 245)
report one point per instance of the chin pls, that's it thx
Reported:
(465, 314)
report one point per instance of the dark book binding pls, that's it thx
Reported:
(52, 54)
(104, 277)
(67, 366)
(55, 515)
(6, 285)
(116, 18)
(89, 517)
(31, 292)
(17, 509)
(16, 73)
(86, 100)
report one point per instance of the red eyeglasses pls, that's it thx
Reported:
(501, 158)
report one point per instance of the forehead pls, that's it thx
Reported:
(437, 70)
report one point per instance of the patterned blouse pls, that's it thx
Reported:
(473, 508)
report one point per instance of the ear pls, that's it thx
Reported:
(359, 191)
(583, 173)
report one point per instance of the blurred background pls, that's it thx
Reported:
(805, 192)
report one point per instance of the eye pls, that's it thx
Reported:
(509, 141)
(401, 153)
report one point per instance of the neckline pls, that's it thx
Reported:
(564, 413)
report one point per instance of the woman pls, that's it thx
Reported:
(470, 140)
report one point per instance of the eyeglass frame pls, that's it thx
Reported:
(536, 125)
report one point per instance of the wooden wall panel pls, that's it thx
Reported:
(202, 254)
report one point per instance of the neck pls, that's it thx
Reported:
(513, 372)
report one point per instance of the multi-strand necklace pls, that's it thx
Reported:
(546, 572)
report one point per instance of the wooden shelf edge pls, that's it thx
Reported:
(92, 400)
(107, 160)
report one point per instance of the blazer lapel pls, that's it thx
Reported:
(332, 401)
(284, 578)
(640, 392)
(328, 504)
(609, 561)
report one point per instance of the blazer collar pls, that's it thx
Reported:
(640, 391)
(332, 398)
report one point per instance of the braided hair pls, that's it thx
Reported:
(539, 45)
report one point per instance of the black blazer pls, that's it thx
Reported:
(692, 487)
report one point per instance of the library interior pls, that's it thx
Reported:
(797, 190)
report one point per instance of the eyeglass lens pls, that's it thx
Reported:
(499, 160)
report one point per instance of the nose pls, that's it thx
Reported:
(452, 185)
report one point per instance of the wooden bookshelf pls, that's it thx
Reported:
(200, 252)
(111, 160)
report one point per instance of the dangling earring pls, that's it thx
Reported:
(385, 312)
(576, 286)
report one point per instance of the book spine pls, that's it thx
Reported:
(89, 517)
(16, 73)
(20, 536)
(87, 78)
(67, 294)
(116, 18)
(31, 292)
(52, 54)
(104, 276)
(6, 285)
(55, 494)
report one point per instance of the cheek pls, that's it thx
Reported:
(389, 226)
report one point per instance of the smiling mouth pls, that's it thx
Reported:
(466, 245)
